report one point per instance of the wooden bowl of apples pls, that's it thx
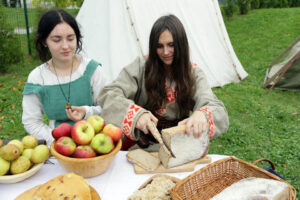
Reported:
(86, 167)
(87, 158)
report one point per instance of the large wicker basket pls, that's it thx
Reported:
(212, 179)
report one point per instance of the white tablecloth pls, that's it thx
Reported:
(118, 182)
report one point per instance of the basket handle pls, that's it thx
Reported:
(267, 160)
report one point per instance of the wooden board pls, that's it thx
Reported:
(182, 168)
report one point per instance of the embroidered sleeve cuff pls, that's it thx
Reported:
(209, 116)
(127, 126)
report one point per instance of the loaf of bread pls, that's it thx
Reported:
(143, 159)
(186, 148)
(66, 186)
(255, 188)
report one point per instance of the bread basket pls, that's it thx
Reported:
(212, 179)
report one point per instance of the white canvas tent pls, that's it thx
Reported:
(286, 74)
(115, 32)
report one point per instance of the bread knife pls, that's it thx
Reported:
(158, 137)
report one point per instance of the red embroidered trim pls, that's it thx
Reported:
(194, 64)
(127, 123)
(210, 121)
(171, 94)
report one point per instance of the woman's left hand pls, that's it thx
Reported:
(76, 113)
(196, 124)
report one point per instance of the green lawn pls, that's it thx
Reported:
(261, 125)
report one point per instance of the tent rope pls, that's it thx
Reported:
(134, 29)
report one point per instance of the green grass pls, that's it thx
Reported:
(261, 125)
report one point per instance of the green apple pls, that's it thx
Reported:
(102, 143)
(29, 141)
(18, 143)
(27, 153)
(97, 122)
(4, 166)
(40, 154)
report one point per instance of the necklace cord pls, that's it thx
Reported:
(69, 96)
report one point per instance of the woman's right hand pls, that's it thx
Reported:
(145, 121)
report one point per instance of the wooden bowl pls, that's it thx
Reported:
(86, 167)
(20, 177)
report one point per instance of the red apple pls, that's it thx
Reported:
(65, 146)
(84, 151)
(82, 132)
(114, 132)
(102, 143)
(97, 122)
(63, 129)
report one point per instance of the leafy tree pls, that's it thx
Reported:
(228, 8)
(244, 6)
(255, 4)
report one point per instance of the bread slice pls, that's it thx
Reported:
(143, 158)
(255, 188)
(186, 148)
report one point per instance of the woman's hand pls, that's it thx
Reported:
(145, 121)
(195, 124)
(76, 113)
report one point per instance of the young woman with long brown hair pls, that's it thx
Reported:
(166, 89)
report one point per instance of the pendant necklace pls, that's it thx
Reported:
(68, 105)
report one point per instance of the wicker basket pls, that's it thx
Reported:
(212, 179)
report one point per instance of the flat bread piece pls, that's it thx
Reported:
(65, 186)
(143, 159)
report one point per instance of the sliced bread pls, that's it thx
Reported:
(186, 148)
(255, 188)
(144, 159)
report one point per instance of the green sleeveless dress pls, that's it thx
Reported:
(53, 100)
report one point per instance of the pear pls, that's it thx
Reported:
(20, 165)
(29, 141)
(27, 153)
(4, 166)
(40, 154)
(1, 143)
(10, 152)
(18, 143)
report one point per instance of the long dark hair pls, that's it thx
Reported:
(47, 23)
(181, 69)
